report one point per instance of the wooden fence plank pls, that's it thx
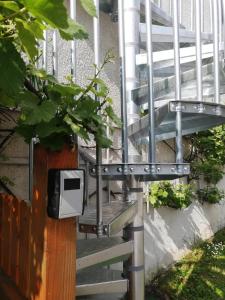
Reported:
(14, 263)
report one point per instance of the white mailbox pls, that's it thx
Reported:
(65, 193)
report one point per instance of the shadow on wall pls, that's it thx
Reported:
(169, 233)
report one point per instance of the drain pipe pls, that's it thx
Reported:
(99, 216)
(129, 19)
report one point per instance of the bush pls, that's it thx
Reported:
(172, 195)
(210, 194)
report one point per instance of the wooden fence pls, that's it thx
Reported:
(38, 253)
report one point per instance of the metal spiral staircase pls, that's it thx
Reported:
(176, 75)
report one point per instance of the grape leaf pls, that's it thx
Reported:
(73, 31)
(53, 12)
(89, 7)
(13, 68)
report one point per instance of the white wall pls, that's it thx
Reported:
(169, 233)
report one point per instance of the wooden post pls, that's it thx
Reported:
(53, 242)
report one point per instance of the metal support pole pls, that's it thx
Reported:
(216, 50)
(131, 39)
(73, 43)
(192, 15)
(179, 146)
(223, 31)
(99, 215)
(123, 82)
(44, 51)
(211, 15)
(151, 108)
(55, 54)
(199, 48)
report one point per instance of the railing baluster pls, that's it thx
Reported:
(151, 114)
(179, 146)
(55, 53)
(192, 15)
(216, 51)
(198, 8)
(44, 51)
(73, 43)
(99, 215)
(123, 82)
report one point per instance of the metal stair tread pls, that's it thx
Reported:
(159, 16)
(165, 58)
(99, 251)
(116, 215)
(100, 281)
(164, 88)
(194, 119)
(163, 34)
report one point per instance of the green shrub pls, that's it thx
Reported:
(172, 195)
(210, 194)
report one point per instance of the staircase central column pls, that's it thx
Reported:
(134, 188)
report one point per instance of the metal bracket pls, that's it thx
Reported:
(141, 172)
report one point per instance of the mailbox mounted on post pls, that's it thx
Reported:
(65, 193)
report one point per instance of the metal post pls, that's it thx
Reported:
(123, 83)
(73, 43)
(211, 15)
(151, 108)
(198, 49)
(99, 215)
(216, 50)
(179, 146)
(192, 15)
(44, 51)
(223, 31)
(202, 14)
(131, 37)
(55, 54)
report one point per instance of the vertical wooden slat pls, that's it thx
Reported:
(24, 249)
(6, 234)
(14, 263)
(1, 216)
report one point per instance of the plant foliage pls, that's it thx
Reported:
(172, 195)
(210, 194)
(50, 110)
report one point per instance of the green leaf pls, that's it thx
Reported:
(36, 29)
(46, 129)
(66, 90)
(26, 131)
(27, 39)
(113, 116)
(42, 113)
(73, 31)
(89, 7)
(13, 68)
(6, 101)
(53, 12)
(102, 89)
(54, 142)
(12, 5)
